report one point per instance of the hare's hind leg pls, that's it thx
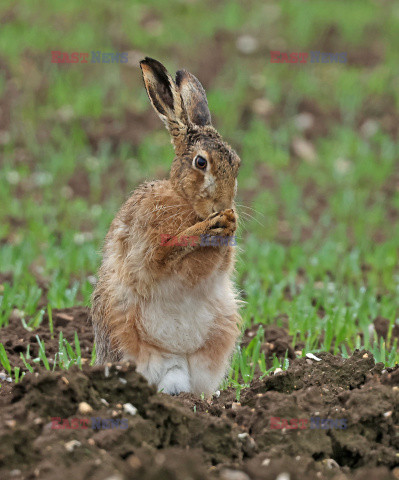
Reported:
(210, 363)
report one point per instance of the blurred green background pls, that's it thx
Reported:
(318, 187)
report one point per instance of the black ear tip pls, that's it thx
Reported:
(147, 61)
(152, 63)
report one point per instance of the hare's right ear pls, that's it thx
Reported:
(194, 98)
(164, 95)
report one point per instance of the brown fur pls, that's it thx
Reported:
(135, 262)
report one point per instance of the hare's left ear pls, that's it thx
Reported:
(194, 98)
(164, 95)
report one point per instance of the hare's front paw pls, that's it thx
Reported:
(174, 382)
(223, 223)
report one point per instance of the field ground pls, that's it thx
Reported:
(318, 242)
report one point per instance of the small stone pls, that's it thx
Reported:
(129, 408)
(395, 472)
(70, 446)
(241, 436)
(38, 421)
(104, 402)
(342, 165)
(247, 44)
(266, 462)
(85, 408)
(65, 380)
(304, 150)
(278, 370)
(217, 394)
(262, 107)
(283, 476)
(11, 423)
(313, 357)
(369, 128)
(123, 381)
(330, 463)
(304, 121)
(115, 476)
(366, 355)
(388, 414)
(235, 405)
(134, 461)
(229, 474)
(17, 314)
(15, 473)
(91, 442)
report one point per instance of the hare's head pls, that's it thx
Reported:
(205, 168)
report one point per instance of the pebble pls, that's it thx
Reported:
(134, 461)
(70, 446)
(11, 423)
(330, 463)
(247, 44)
(229, 474)
(262, 106)
(115, 476)
(304, 150)
(313, 357)
(304, 121)
(85, 408)
(129, 408)
(15, 473)
(104, 402)
(283, 476)
(266, 462)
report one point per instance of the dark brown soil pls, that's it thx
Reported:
(191, 438)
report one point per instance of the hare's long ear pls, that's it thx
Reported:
(164, 95)
(194, 98)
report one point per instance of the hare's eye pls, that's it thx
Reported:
(200, 162)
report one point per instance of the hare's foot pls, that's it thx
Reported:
(168, 372)
(175, 381)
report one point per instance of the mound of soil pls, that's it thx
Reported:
(147, 435)
(278, 430)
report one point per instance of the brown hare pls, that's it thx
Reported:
(170, 305)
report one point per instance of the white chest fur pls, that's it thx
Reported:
(179, 317)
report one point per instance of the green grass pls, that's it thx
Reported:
(330, 275)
